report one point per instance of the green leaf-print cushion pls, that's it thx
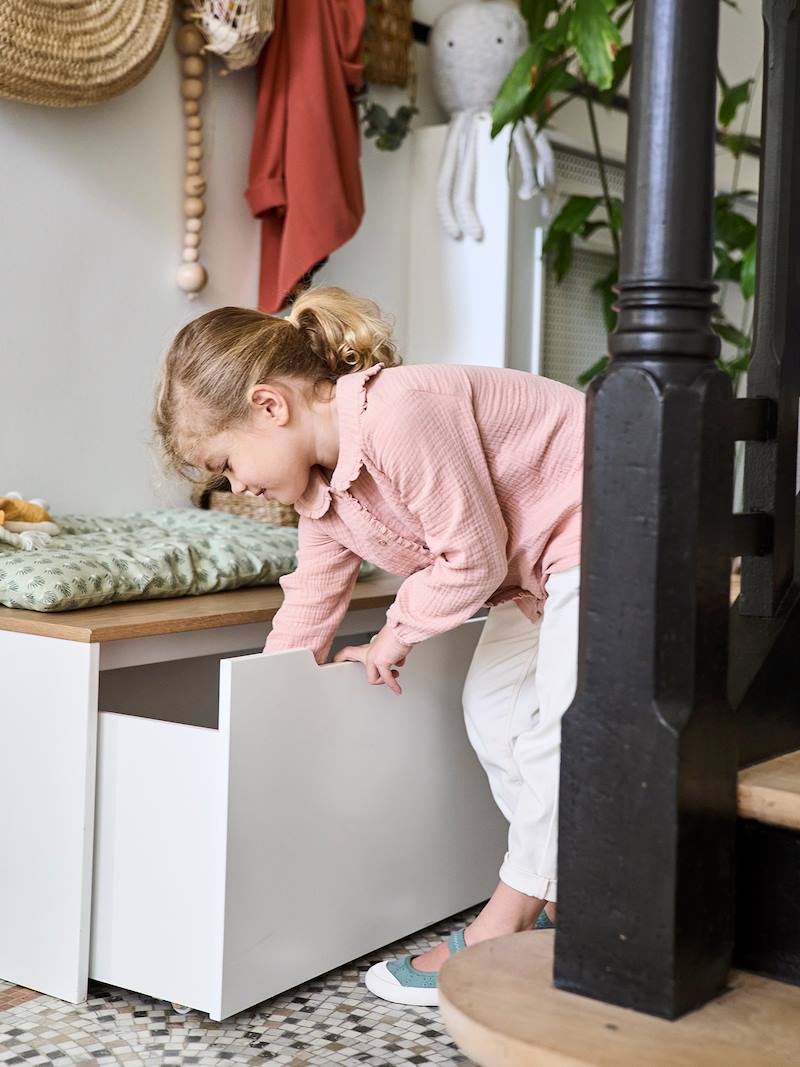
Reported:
(145, 556)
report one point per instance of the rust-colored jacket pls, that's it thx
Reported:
(305, 178)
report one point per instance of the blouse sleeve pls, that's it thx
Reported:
(316, 595)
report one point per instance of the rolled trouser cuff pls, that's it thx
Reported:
(527, 882)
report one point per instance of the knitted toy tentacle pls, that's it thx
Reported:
(522, 146)
(464, 198)
(447, 174)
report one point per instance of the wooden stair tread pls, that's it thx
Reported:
(499, 1004)
(770, 791)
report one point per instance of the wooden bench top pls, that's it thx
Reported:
(149, 618)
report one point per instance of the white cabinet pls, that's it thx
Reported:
(470, 301)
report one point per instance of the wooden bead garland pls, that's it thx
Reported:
(190, 43)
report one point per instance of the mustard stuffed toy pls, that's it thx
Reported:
(25, 524)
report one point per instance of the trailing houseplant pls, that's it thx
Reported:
(576, 51)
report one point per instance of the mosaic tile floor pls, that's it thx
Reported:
(332, 1020)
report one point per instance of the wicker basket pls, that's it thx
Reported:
(69, 54)
(387, 42)
(213, 498)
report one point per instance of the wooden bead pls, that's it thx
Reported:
(194, 226)
(191, 277)
(190, 107)
(194, 151)
(189, 40)
(194, 137)
(191, 240)
(191, 88)
(190, 255)
(194, 207)
(194, 185)
(193, 66)
(194, 122)
(192, 166)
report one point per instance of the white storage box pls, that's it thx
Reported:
(294, 821)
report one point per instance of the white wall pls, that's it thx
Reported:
(91, 224)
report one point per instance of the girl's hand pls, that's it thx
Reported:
(379, 657)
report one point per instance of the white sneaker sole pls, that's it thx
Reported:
(380, 981)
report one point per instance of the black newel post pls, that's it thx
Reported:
(645, 913)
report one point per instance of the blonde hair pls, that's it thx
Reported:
(216, 359)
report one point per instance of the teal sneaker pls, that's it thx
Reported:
(399, 982)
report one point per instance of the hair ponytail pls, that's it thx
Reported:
(217, 358)
(347, 333)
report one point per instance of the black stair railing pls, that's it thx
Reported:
(774, 372)
(650, 756)
(649, 761)
(765, 623)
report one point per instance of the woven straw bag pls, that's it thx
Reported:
(81, 52)
(387, 43)
(212, 497)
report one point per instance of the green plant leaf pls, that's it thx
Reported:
(554, 40)
(596, 38)
(737, 143)
(572, 220)
(732, 100)
(748, 272)
(728, 332)
(730, 227)
(535, 13)
(605, 286)
(574, 214)
(616, 214)
(728, 269)
(512, 102)
(554, 78)
(593, 371)
(558, 245)
(622, 64)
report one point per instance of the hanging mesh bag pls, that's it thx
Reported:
(235, 30)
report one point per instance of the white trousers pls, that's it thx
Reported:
(521, 681)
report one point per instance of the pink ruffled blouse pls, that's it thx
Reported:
(465, 481)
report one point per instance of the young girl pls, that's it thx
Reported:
(466, 481)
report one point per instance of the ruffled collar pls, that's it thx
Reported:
(351, 402)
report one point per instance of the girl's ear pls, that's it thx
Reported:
(270, 404)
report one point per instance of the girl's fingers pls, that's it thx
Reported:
(352, 654)
(389, 677)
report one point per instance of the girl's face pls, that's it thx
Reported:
(272, 452)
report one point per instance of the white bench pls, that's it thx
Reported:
(226, 828)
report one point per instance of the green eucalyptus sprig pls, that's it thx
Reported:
(388, 130)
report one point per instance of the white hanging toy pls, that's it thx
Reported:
(473, 46)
